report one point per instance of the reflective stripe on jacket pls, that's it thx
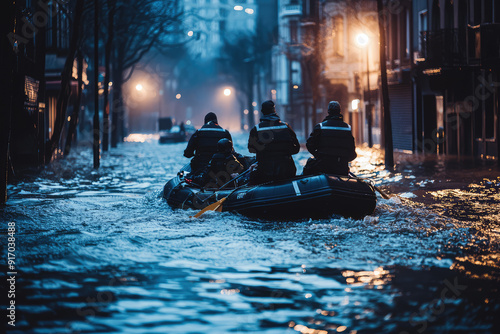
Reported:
(203, 143)
(272, 137)
(332, 139)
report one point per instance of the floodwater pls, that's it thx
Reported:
(101, 252)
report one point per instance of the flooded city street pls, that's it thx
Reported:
(386, 110)
(100, 251)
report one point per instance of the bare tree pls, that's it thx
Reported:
(66, 75)
(77, 102)
(111, 10)
(139, 26)
(389, 155)
(244, 57)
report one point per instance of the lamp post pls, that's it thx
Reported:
(160, 97)
(363, 40)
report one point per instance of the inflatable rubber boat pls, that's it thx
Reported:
(315, 196)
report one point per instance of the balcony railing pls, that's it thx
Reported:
(444, 47)
(479, 45)
(291, 9)
(490, 44)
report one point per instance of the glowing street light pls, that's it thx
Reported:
(190, 33)
(178, 96)
(249, 11)
(227, 91)
(238, 8)
(362, 39)
(139, 87)
(355, 104)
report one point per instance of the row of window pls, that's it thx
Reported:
(451, 14)
(224, 2)
(456, 14)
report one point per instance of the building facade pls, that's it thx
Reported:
(23, 63)
(352, 65)
(456, 77)
(208, 22)
(296, 64)
(319, 58)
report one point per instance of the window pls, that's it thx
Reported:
(436, 15)
(393, 37)
(496, 11)
(294, 31)
(222, 26)
(449, 15)
(488, 12)
(296, 73)
(422, 28)
(338, 35)
(475, 12)
(408, 37)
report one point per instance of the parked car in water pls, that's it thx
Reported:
(172, 133)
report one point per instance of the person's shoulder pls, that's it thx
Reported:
(218, 155)
(345, 124)
(287, 125)
(317, 126)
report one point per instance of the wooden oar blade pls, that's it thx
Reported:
(211, 207)
(383, 194)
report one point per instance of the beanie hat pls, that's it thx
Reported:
(210, 117)
(268, 107)
(225, 146)
(334, 108)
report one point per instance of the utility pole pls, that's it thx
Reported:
(7, 73)
(96, 86)
(107, 60)
(250, 70)
(369, 105)
(389, 155)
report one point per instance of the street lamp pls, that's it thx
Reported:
(227, 92)
(139, 87)
(160, 97)
(363, 41)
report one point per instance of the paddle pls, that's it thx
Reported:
(186, 168)
(383, 194)
(217, 206)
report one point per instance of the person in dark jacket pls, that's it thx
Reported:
(223, 166)
(332, 145)
(203, 143)
(274, 143)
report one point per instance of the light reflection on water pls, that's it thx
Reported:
(100, 251)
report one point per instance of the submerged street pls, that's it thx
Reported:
(100, 251)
